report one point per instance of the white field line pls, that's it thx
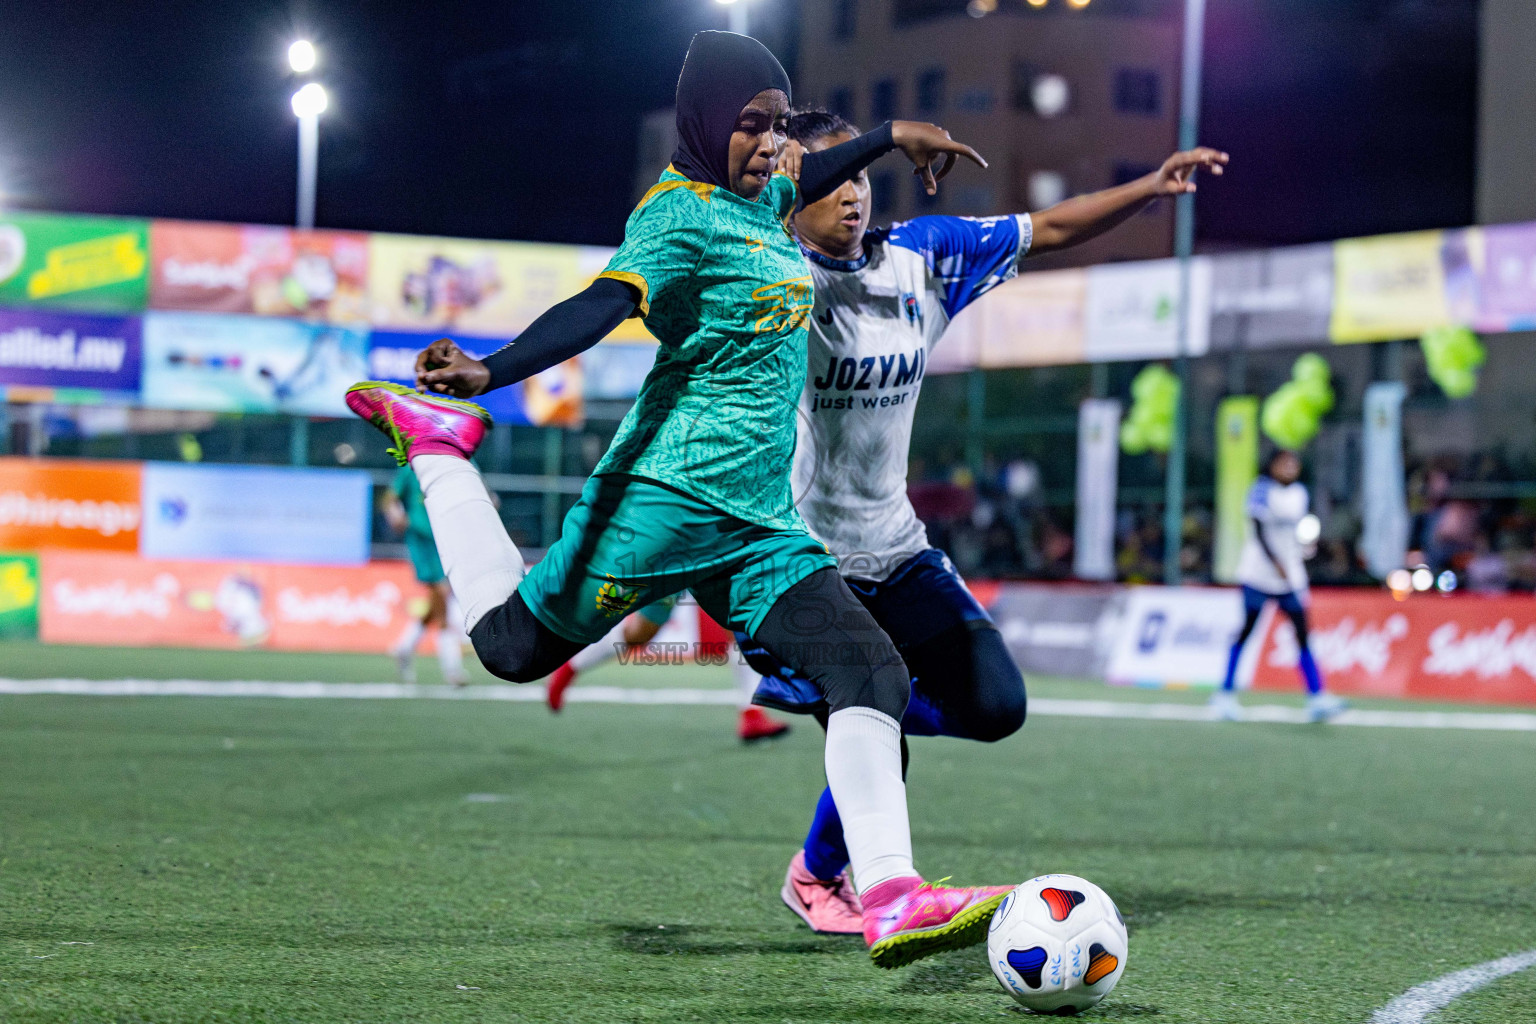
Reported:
(1042, 706)
(1419, 1002)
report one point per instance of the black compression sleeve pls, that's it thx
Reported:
(563, 331)
(822, 172)
(1258, 532)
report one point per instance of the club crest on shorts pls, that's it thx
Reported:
(615, 598)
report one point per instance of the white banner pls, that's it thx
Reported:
(1098, 463)
(1133, 310)
(1384, 505)
(1180, 636)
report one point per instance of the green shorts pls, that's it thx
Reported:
(424, 559)
(631, 541)
(658, 612)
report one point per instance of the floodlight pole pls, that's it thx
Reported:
(309, 155)
(1183, 249)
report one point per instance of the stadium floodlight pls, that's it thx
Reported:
(1423, 579)
(1038, 3)
(1079, 4)
(1309, 529)
(302, 56)
(310, 101)
(308, 104)
(738, 9)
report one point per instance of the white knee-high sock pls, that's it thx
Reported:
(410, 636)
(450, 652)
(864, 772)
(746, 677)
(482, 563)
(608, 647)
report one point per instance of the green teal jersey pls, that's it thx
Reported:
(407, 488)
(726, 291)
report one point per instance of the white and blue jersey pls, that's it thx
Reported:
(1276, 509)
(875, 321)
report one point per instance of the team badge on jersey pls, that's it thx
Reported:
(615, 598)
(912, 308)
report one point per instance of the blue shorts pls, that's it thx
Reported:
(923, 598)
(1254, 601)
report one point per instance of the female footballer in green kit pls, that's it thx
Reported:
(694, 493)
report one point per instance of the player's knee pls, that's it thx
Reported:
(502, 658)
(1003, 701)
(880, 682)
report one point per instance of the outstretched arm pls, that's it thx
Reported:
(563, 331)
(1080, 218)
(821, 173)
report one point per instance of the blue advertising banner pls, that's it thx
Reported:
(392, 356)
(231, 363)
(48, 349)
(255, 513)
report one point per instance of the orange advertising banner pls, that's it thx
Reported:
(58, 503)
(269, 271)
(131, 601)
(1429, 647)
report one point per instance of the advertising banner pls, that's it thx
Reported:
(1388, 286)
(219, 363)
(256, 513)
(84, 263)
(489, 289)
(1133, 310)
(1237, 467)
(19, 590)
(1272, 298)
(1036, 319)
(1429, 647)
(1055, 629)
(553, 398)
(1383, 498)
(1490, 277)
(48, 349)
(268, 271)
(132, 601)
(1098, 464)
(1177, 636)
(615, 371)
(67, 503)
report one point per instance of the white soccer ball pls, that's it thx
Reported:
(1057, 944)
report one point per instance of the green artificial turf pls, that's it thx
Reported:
(172, 860)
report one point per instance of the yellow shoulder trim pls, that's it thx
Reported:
(637, 282)
(698, 188)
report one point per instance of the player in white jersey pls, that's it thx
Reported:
(883, 299)
(1271, 569)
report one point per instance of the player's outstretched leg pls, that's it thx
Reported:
(866, 686)
(437, 435)
(817, 888)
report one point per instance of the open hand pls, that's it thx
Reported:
(924, 143)
(1177, 175)
(445, 368)
(790, 158)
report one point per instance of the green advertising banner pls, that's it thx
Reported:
(84, 263)
(1237, 467)
(19, 592)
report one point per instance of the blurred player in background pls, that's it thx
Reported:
(1271, 569)
(883, 300)
(406, 513)
(639, 629)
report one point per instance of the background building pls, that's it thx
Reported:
(1059, 100)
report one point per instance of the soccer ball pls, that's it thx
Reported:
(1057, 944)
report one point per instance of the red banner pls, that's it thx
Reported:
(102, 598)
(1428, 647)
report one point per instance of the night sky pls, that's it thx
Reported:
(519, 119)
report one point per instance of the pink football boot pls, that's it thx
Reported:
(828, 907)
(906, 919)
(419, 424)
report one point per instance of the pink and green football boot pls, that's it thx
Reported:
(419, 424)
(907, 919)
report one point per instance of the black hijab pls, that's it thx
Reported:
(721, 74)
